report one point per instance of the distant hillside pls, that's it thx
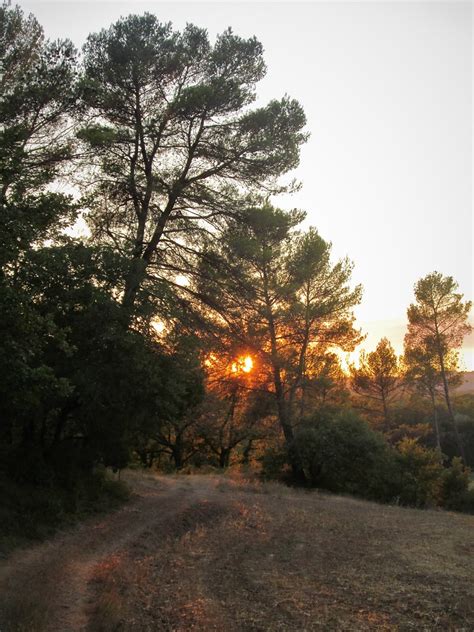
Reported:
(468, 384)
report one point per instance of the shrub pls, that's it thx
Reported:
(455, 492)
(341, 453)
(463, 502)
(29, 512)
(419, 471)
(275, 463)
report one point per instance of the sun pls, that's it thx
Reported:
(247, 364)
(243, 364)
(159, 326)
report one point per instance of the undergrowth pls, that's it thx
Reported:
(31, 513)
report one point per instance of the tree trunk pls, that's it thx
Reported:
(386, 418)
(62, 419)
(133, 281)
(246, 452)
(448, 404)
(285, 423)
(302, 401)
(435, 420)
(284, 414)
(177, 452)
(224, 457)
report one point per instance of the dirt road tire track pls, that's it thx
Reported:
(49, 585)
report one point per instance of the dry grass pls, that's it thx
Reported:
(228, 553)
(25, 613)
(265, 557)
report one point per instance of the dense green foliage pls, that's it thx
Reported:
(340, 453)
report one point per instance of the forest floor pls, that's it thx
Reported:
(210, 553)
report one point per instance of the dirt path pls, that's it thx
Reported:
(214, 554)
(51, 586)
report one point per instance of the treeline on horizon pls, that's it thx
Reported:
(198, 325)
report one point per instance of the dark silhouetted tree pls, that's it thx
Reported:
(38, 95)
(177, 145)
(276, 292)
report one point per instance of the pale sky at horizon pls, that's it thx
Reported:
(387, 90)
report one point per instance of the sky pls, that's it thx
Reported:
(387, 90)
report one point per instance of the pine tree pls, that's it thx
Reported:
(438, 320)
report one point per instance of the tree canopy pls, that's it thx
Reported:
(173, 139)
(438, 321)
(377, 379)
(276, 291)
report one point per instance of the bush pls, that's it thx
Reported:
(455, 492)
(463, 502)
(29, 512)
(419, 474)
(275, 463)
(341, 453)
